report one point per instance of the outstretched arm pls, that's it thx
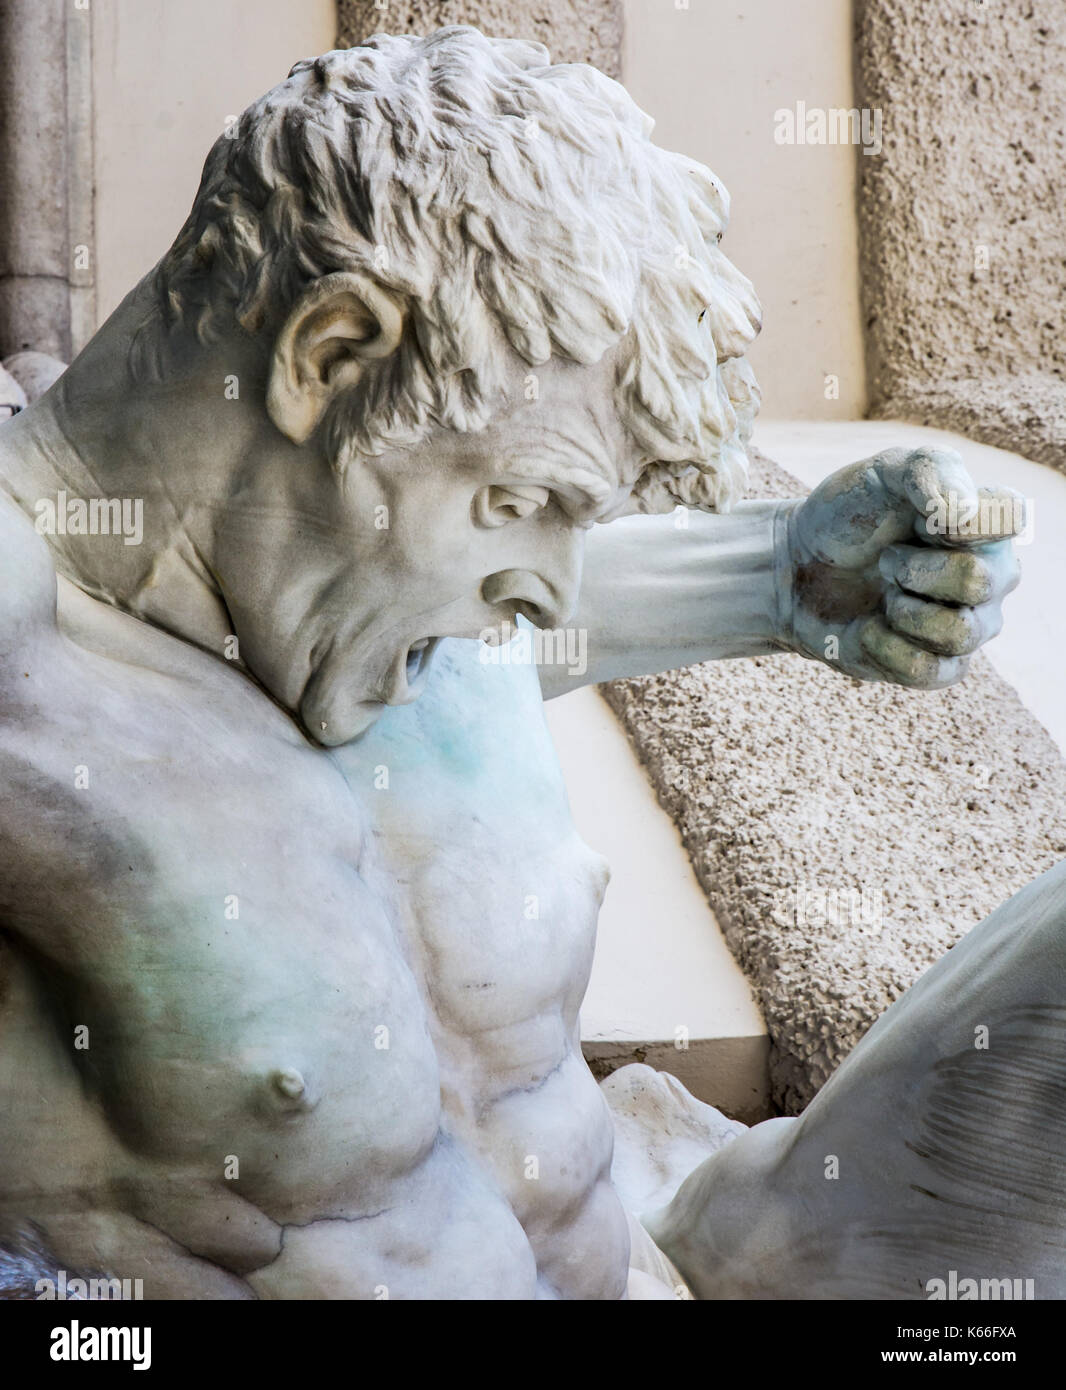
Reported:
(893, 569)
(664, 591)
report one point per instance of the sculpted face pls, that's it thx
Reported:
(520, 215)
(346, 585)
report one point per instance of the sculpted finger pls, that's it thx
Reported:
(992, 514)
(967, 577)
(900, 661)
(945, 631)
(930, 479)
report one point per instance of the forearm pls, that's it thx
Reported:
(656, 595)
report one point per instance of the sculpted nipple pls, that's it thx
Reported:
(289, 1082)
(289, 1088)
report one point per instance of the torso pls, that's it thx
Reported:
(331, 997)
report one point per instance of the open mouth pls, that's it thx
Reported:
(332, 719)
(415, 658)
(419, 656)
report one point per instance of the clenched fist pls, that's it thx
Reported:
(899, 567)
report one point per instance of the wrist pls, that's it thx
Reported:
(784, 568)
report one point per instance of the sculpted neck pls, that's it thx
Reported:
(124, 480)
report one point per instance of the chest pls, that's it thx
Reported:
(475, 852)
(239, 905)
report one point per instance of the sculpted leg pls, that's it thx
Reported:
(933, 1156)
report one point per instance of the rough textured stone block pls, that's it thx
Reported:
(573, 31)
(964, 244)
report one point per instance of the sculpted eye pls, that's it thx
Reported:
(497, 505)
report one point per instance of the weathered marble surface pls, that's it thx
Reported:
(12, 396)
(34, 371)
(661, 1134)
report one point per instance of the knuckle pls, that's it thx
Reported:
(942, 630)
(912, 665)
(973, 580)
(965, 633)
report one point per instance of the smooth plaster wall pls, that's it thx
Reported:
(713, 76)
(165, 77)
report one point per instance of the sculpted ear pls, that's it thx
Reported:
(338, 325)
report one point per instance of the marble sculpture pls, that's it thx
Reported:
(296, 925)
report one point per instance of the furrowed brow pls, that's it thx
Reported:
(561, 462)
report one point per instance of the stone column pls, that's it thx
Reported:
(46, 214)
(573, 31)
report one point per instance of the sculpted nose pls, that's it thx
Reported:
(547, 593)
(528, 594)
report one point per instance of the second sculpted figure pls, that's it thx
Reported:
(277, 1020)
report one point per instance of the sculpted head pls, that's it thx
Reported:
(486, 312)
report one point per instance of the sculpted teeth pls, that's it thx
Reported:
(416, 662)
(414, 657)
